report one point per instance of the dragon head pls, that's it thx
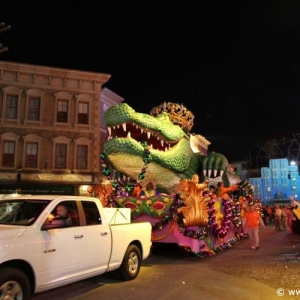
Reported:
(168, 144)
(159, 143)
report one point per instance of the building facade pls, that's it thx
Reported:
(50, 128)
(278, 182)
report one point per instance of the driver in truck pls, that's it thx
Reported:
(61, 211)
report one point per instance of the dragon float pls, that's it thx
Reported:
(159, 148)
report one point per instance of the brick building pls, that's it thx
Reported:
(50, 128)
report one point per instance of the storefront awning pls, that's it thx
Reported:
(37, 189)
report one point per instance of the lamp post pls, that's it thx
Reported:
(19, 178)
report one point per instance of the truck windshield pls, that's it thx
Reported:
(20, 212)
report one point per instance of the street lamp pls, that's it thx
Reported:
(19, 171)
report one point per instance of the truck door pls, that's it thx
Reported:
(97, 238)
(63, 248)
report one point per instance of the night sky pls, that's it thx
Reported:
(236, 66)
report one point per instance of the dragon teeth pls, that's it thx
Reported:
(165, 145)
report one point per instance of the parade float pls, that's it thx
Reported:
(159, 148)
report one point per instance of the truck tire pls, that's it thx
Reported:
(14, 284)
(131, 263)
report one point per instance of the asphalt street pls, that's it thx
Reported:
(271, 272)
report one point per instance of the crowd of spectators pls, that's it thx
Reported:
(283, 217)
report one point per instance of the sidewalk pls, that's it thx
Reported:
(276, 263)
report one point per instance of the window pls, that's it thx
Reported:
(82, 150)
(60, 156)
(11, 110)
(21, 213)
(8, 159)
(62, 111)
(91, 212)
(82, 157)
(60, 152)
(34, 109)
(34, 105)
(84, 104)
(31, 150)
(83, 113)
(31, 155)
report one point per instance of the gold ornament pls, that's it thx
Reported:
(195, 211)
(179, 114)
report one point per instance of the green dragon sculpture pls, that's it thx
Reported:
(159, 147)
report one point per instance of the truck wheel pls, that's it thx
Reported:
(131, 263)
(14, 284)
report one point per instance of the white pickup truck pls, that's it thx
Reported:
(41, 251)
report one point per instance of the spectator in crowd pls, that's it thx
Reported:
(284, 217)
(264, 212)
(277, 217)
(295, 207)
(291, 219)
(269, 216)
